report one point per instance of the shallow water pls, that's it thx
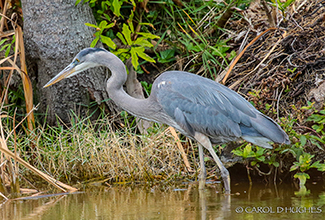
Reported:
(169, 202)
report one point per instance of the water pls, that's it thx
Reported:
(170, 202)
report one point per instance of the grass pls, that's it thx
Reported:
(93, 150)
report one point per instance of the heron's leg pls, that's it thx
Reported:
(204, 140)
(203, 173)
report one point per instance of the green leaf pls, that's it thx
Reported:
(196, 48)
(287, 3)
(130, 21)
(232, 55)
(127, 34)
(2, 41)
(223, 49)
(303, 140)
(167, 54)
(315, 165)
(294, 166)
(105, 4)
(108, 41)
(140, 52)
(217, 52)
(121, 50)
(97, 34)
(276, 164)
(237, 152)
(116, 6)
(4, 47)
(135, 58)
(148, 24)
(102, 24)
(131, 26)
(143, 42)
(260, 151)
(133, 3)
(109, 25)
(94, 42)
(247, 151)
(107, 16)
(122, 56)
(120, 36)
(148, 35)
(261, 158)
(8, 50)
(77, 2)
(91, 25)
(318, 166)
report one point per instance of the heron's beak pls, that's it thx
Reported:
(68, 71)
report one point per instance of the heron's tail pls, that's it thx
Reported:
(264, 130)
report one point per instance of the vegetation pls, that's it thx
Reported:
(93, 150)
(196, 36)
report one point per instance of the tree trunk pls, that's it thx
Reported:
(54, 32)
(134, 89)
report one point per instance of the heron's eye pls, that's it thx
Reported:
(77, 60)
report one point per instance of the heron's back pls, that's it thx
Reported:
(198, 104)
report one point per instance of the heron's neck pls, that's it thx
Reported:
(116, 92)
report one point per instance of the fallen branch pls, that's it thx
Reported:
(49, 179)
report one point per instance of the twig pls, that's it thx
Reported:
(49, 179)
(2, 21)
(268, 54)
(181, 149)
(268, 13)
(30, 112)
(243, 51)
(3, 196)
(225, 71)
(261, 172)
(307, 128)
(277, 104)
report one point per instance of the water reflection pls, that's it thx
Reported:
(167, 202)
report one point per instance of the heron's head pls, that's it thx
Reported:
(85, 59)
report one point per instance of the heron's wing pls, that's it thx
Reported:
(191, 117)
(200, 104)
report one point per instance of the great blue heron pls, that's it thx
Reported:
(200, 108)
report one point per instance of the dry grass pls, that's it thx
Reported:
(94, 150)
